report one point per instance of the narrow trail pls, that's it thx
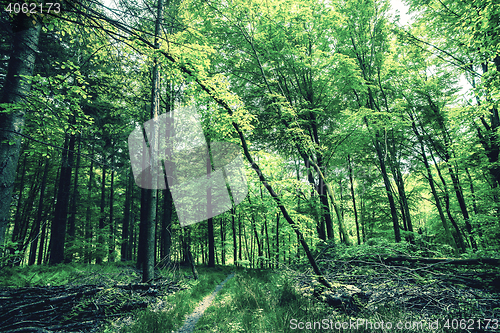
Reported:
(193, 318)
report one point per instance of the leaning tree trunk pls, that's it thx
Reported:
(448, 234)
(457, 234)
(388, 189)
(216, 97)
(15, 89)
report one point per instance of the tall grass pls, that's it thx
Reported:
(63, 274)
(265, 301)
(180, 304)
(260, 301)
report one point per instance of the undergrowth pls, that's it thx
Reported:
(260, 301)
(177, 306)
(67, 274)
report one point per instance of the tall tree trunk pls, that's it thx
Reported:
(111, 245)
(353, 199)
(102, 218)
(240, 252)
(141, 239)
(472, 192)
(457, 234)
(151, 201)
(166, 231)
(125, 244)
(254, 228)
(18, 216)
(74, 200)
(278, 240)
(210, 222)
(430, 178)
(39, 216)
(325, 207)
(387, 184)
(233, 226)
(362, 219)
(461, 202)
(321, 225)
(245, 238)
(88, 215)
(269, 257)
(454, 176)
(189, 254)
(23, 238)
(398, 179)
(58, 230)
(222, 242)
(489, 135)
(16, 88)
(41, 247)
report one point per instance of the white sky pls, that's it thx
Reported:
(398, 7)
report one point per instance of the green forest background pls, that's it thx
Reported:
(356, 130)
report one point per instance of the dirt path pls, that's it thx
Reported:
(193, 318)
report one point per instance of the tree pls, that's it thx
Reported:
(151, 195)
(16, 87)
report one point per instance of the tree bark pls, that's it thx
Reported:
(233, 226)
(111, 244)
(166, 231)
(16, 87)
(102, 218)
(151, 201)
(278, 240)
(125, 244)
(398, 179)
(454, 177)
(210, 222)
(88, 215)
(74, 200)
(58, 229)
(457, 235)
(430, 178)
(353, 198)
(387, 184)
(222, 242)
(38, 221)
(18, 216)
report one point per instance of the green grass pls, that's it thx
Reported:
(63, 274)
(260, 301)
(266, 301)
(180, 304)
(253, 301)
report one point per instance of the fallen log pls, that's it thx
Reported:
(485, 261)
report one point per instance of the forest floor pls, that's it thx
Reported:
(368, 295)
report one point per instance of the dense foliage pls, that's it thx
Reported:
(365, 130)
